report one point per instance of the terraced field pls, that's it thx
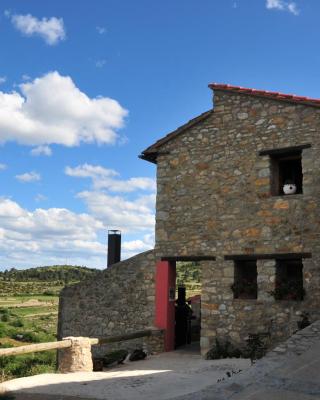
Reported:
(23, 320)
(28, 314)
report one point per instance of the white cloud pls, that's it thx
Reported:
(90, 171)
(101, 29)
(29, 177)
(3, 167)
(132, 212)
(49, 236)
(3, 79)
(40, 197)
(25, 77)
(120, 213)
(56, 236)
(282, 6)
(103, 178)
(100, 63)
(51, 109)
(50, 29)
(41, 150)
(136, 246)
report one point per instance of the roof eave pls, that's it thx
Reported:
(151, 157)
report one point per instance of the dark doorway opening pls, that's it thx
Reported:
(188, 306)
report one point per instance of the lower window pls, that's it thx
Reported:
(289, 280)
(245, 279)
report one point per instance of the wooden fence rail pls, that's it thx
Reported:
(66, 343)
(31, 348)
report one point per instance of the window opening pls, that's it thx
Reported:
(289, 280)
(286, 171)
(245, 279)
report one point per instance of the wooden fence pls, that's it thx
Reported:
(74, 357)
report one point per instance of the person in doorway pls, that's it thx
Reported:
(183, 315)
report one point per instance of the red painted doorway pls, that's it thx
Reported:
(165, 301)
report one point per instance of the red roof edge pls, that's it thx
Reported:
(292, 98)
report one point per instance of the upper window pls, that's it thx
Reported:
(245, 279)
(286, 170)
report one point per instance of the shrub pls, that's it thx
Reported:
(3, 330)
(223, 350)
(4, 317)
(17, 323)
(49, 293)
(256, 346)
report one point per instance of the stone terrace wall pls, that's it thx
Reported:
(214, 199)
(120, 299)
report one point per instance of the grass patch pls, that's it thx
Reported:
(25, 325)
(27, 365)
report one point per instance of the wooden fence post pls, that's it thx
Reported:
(76, 358)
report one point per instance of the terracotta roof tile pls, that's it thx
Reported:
(266, 94)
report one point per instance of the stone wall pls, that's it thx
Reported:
(120, 299)
(214, 199)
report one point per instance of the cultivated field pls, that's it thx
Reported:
(23, 320)
(28, 314)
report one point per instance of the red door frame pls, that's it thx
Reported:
(165, 301)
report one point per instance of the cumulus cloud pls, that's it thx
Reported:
(3, 79)
(48, 236)
(103, 178)
(3, 167)
(51, 109)
(29, 177)
(50, 29)
(56, 236)
(41, 151)
(282, 6)
(119, 213)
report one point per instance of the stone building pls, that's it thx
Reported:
(221, 183)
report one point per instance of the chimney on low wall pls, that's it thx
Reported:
(114, 247)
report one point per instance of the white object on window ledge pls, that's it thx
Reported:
(289, 188)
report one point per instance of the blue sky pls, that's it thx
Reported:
(86, 86)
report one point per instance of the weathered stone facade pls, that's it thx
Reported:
(214, 199)
(118, 300)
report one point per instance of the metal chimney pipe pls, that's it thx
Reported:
(114, 247)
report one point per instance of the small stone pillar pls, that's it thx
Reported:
(76, 358)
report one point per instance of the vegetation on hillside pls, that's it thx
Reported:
(64, 273)
(41, 280)
(28, 314)
(188, 275)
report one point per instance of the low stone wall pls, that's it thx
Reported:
(298, 343)
(120, 299)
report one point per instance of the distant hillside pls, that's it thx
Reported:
(65, 273)
(188, 275)
(49, 279)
